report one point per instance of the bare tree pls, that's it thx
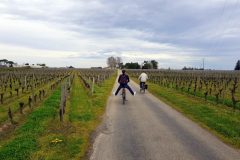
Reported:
(119, 62)
(111, 62)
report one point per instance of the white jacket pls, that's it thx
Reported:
(143, 77)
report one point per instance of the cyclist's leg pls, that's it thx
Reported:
(130, 90)
(142, 84)
(119, 88)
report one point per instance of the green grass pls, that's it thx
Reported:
(83, 115)
(221, 120)
(25, 141)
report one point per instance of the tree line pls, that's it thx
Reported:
(116, 62)
(5, 62)
(8, 63)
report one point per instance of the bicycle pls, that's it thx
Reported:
(142, 87)
(123, 95)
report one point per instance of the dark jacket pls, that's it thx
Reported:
(123, 79)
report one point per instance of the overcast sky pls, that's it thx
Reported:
(83, 33)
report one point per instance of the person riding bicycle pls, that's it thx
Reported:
(143, 79)
(123, 81)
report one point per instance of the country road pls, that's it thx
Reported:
(147, 129)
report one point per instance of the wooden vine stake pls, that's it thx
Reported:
(62, 103)
(93, 82)
(10, 116)
(25, 81)
(30, 102)
(21, 105)
(1, 98)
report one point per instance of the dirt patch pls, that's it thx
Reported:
(6, 129)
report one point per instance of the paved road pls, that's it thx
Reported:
(147, 129)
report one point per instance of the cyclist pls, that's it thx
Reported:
(123, 81)
(143, 79)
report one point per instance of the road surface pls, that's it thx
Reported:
(147, 129)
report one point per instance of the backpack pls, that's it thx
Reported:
(123, 79)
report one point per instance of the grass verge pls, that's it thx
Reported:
(221, 120)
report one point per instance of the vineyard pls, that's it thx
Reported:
(22, 89)
(218, 86)
(52, 113)
(46, 111)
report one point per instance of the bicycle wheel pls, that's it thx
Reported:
(123, 96)
(124, 99)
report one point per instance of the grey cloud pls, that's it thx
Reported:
(202, 29)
